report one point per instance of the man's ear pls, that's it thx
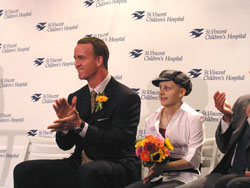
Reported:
(99, 61)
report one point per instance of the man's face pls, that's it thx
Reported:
(85, 61)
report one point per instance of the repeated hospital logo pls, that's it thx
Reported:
(136, 90)
(56, 26)
(196, 33)
(38, 61)
(0, 45)
(149, 94)
(103, 3)
(135, 53)
(107, 37)
(138, 15)
(217, 34)
(1, 12)
(141, 133)
(36, 97)
(216, 75)
(211, 116)
(194, 73)
(89, 35)
(32, 132)
(88, 3)
(118, 76)
(40, 26)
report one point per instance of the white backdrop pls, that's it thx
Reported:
(208, 40)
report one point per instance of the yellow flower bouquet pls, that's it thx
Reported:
(153, 150)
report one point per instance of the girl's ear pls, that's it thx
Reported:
(182, 92)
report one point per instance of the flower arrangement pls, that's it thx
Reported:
(153, 150)
(100, 99)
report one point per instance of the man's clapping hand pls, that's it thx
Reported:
(68, 116)
(222, 105)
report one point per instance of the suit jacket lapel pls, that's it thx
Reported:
(237, 133)
(83, 103)
(239, 123)
(110, 88)
(248, 146)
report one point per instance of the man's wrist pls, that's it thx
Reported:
(226, 118)
(80, 128)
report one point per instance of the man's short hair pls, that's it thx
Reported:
(99, 46)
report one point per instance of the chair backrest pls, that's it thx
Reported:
(209, 156)
(44, 148)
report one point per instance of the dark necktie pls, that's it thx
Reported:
(239, 163)
(93, 96)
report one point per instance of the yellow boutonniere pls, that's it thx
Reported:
(101, 98)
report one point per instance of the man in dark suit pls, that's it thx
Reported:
(233, 139)
(102, 128)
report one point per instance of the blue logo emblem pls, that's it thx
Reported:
(36, 97)
(196, 33)
(1, 12)
(88, 3)
(38, 61)
(194, 73)
(136, 90)
(90, 35)
(138, 15)
(136, 53)
(40, 26)
(32, 132)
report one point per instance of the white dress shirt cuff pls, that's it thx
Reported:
(65, 132)
(224, 126)
(82, 133)
(84, 130)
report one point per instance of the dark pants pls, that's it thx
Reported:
(102, 174)
(46, 174)
(233, 181)
(217, 180)
(157, 184)
(67, 173)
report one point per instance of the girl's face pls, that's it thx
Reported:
(170, 93)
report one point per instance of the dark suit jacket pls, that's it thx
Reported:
(226, 142)
(111, 132)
